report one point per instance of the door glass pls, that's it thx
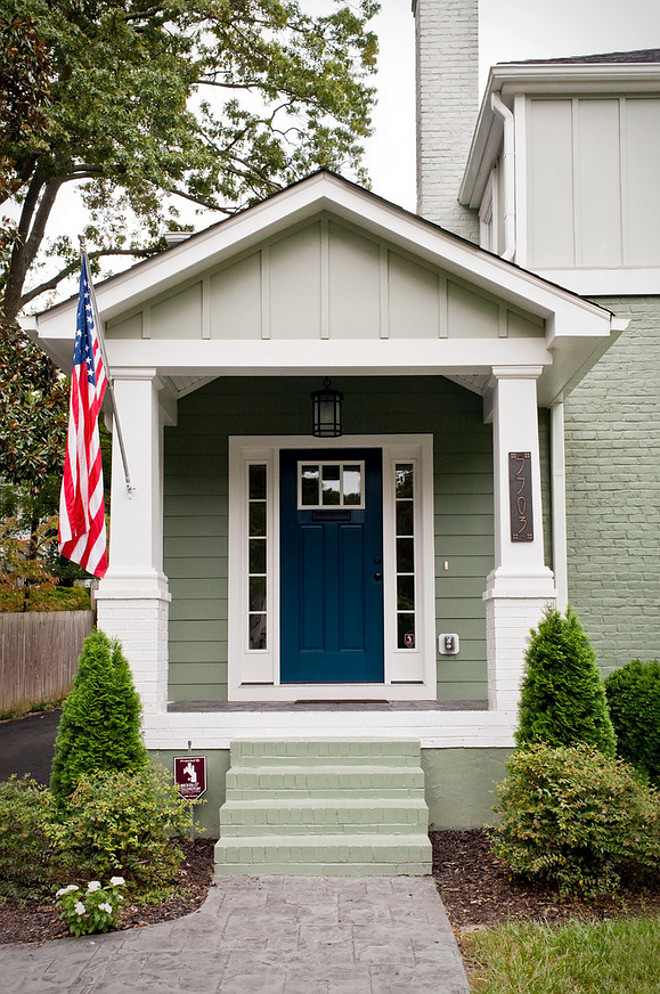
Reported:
(405, 554)
(257, 538)
(330, 484)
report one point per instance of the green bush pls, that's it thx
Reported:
(27, 855)
(562, 699)
(633, 695)
(575, 819)
(100, 724)
(122, 824)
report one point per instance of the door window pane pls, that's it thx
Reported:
(352, 485)
(404, 517)
(309, 486)
(330, 484)
(257, 539)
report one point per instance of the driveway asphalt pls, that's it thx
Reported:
(27, 745)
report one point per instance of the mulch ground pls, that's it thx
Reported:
(477, 891)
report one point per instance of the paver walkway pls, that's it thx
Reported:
(268, 935)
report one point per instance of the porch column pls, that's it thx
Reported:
(521, 584)
(133, 596)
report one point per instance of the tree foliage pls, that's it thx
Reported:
(100, 725)
(218, 102)
(562, 700)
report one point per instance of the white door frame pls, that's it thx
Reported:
(253, 674)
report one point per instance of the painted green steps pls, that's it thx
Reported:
(324, 807)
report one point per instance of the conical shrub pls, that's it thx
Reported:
(100, 725)
(562, 701)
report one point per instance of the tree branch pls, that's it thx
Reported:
(55, 280)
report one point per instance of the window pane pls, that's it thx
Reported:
(309, 486)
(404, 517)
(405, 631)
(405, 555)
(257, 482)
(257, 631)
(257, 518)
(352, 484)
(404, 479)
(330, 485)
(257, 593)
(405, 593)
(257, 555)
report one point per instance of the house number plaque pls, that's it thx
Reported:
(520, 496)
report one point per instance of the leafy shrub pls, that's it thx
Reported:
(574, 819)
(562, 699)
(633, 695)
(27, 855)
(100, 724)
(122, 823)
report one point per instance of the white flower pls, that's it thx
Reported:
(93, 885)
(79, 908)
(71, 887)
(117, 881)
(105, 907)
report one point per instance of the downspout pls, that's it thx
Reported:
(558, 485)
(509, 174)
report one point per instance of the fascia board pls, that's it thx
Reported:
(510, 80)
(565, 311)
(214, 357)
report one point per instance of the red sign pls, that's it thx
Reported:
(190, 776)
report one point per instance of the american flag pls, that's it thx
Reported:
(82, 536)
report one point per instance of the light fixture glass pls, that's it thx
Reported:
(326, 411)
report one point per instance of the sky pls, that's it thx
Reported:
(509, 30)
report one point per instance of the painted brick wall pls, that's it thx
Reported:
(447, 58)
(613, 491)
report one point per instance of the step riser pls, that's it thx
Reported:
(324, 808)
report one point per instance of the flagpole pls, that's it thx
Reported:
(101, 340)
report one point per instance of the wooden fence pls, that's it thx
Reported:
(38, 655)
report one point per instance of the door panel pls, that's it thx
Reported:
(331, 566)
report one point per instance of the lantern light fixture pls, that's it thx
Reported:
(326, 411)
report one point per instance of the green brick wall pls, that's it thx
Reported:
(613, 490)
(195, 509)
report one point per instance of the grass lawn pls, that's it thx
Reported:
(612, 957)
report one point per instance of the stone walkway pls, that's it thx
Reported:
(268, 935)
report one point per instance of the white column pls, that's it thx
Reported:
(521, 584)
(559, 540)
(133, 596)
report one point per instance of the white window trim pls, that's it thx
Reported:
(410, 674)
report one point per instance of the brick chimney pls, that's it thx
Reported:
(447, 61)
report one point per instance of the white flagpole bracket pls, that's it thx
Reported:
(101, 339)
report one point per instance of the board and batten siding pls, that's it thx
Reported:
(593, 197)
(196, 509)
(612, 434)
(324, 279)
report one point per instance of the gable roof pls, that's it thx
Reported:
(639, 55)
(583, 327)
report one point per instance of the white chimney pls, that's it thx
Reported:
(447, 61)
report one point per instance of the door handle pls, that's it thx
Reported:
(378, 576)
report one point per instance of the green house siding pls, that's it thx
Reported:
(196, 501)
(613, 490)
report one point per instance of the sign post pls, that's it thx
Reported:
(190, 778)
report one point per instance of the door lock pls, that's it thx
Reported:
(378, 576)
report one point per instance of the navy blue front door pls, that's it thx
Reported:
(331, 527)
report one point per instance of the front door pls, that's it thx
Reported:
(331, 556)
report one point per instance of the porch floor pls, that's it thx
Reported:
(316, 705)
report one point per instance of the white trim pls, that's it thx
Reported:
(617, 281)
(410, 674)
(434, 729)
(558, 501)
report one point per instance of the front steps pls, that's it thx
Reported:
(324, 807)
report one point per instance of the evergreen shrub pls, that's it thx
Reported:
(100, 724)
(633, 695)
(27, 855)
(574, 819)
(121, 823)
(562, 699)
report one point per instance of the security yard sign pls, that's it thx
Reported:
(190, 776)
